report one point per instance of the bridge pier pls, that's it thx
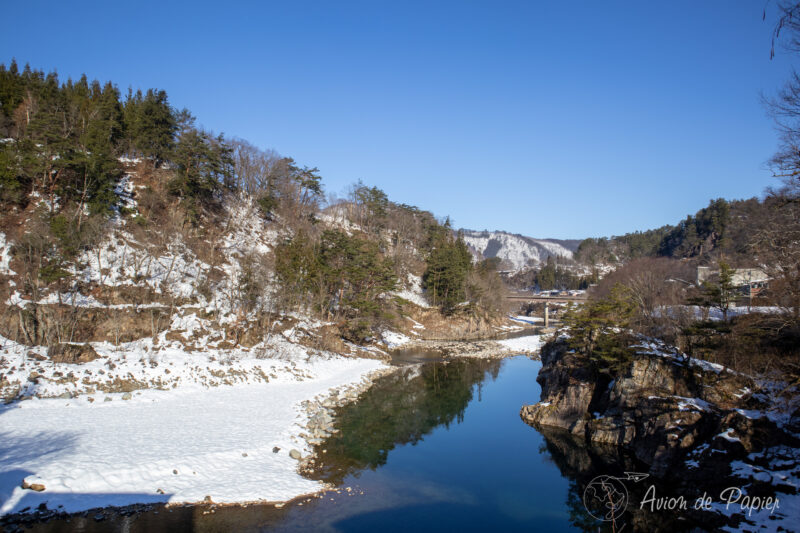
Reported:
(546, 314)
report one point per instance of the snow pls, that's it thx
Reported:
(337, 216)
(17, 299)
(750, 413)
(660, 349)
(518, 250)
(729, 436)
(218, 440)
(196, 361)
(413, 291)
(715, 314)
(247, 230)
(124, 190)
(782, 398)
(5, 256)
(120, 260)
(526, 344)
(686, 404)
(173, 268)
(417, 327)
(778, 467)
(247, 234)
(527, 319)
(696, 404)
(392, 339)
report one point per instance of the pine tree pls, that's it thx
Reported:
(203, 164)
(447, 268)
(722, 293)
(150, 124)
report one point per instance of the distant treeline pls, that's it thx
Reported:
(721, 228)
(556, 273)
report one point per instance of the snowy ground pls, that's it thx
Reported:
(413, 293)
(164, 446)
(196, 360)
(393, 340)
(526, 344)
(527, 319)
(716, 314)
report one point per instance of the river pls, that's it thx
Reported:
(434, 446)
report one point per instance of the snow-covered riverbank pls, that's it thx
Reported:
(165, 446)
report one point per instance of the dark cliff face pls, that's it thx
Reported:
(693, 427)
(666, 411)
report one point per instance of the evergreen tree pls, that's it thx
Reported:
(297, 270)
(598, 330)
(447, 268)
(354, 274)
(150, 124)
(546, 277)
(722, 293)
(13, 181)
(372, 204)
(202, 165)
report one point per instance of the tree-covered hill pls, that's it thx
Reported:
(722, 228)
(85, 172)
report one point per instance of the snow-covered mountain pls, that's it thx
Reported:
(517, 250)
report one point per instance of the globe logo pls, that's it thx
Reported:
(605, 498)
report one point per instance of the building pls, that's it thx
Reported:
(750, 281)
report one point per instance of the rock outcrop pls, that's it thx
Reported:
(663, 408)
(71, 353)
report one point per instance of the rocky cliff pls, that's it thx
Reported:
(673, 413)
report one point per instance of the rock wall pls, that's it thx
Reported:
(665, 410)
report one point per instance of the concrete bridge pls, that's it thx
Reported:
(522, 297)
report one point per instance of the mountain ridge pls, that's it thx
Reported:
(516, 250)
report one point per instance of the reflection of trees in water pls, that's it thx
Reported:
(581, 463)
(399, 409)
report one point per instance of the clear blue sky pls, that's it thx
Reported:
(551, 119)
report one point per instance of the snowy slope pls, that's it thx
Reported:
(519, 251)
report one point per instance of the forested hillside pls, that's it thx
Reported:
(723, 228)
(124, 202)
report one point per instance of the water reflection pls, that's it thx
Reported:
(582, 463)
(400, 409)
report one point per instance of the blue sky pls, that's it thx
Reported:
(551, 119)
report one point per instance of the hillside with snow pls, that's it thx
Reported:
(517, 251)
(152, 340)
